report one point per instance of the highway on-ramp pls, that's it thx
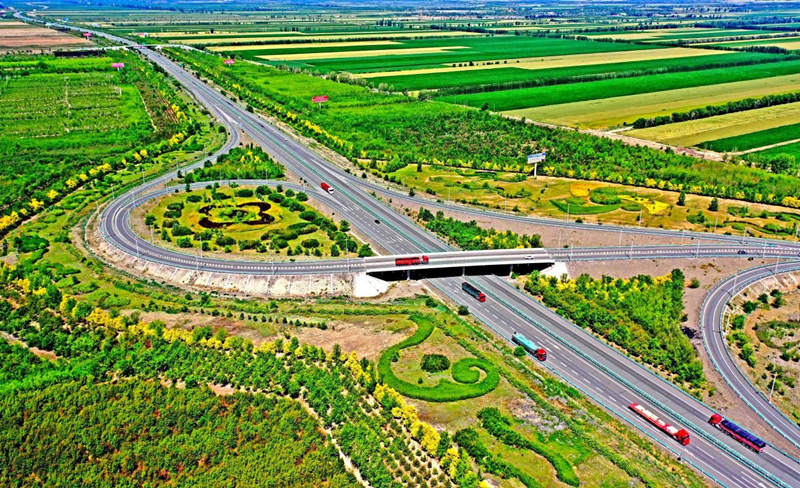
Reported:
(598, 370)
(713, 328)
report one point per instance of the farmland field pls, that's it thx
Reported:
(610, 112)
(63, 122)
(538, 72)
(20, 37)
(757, 139)
(475, 49)
(596, 90)
(737, 124)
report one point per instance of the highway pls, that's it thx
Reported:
(583, 361)
(712, 326)
(596, 369)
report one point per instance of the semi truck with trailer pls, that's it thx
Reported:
(476, 293)
(538, 352)
(679, 434)
(738, 433)
(328, 188)
(410, 261)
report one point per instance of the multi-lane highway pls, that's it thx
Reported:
(713, 326)
(598, 370)
(590, 365)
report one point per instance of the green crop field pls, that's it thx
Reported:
(792, 150)
(755, 139)
(593, 90)
(545, 76)
(54, 125)
(475, 49)
(616, 111)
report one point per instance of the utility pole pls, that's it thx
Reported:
(772, 388)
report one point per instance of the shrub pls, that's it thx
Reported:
(308, 215)
(225, 241)
(434, 363)
(181, 230)
(244, 193)
(310, 243)
(184, 242)
(445, 390)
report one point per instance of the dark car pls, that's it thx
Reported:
(741, 251)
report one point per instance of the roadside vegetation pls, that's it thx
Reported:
(470, 236)
(641, 315)
(763, 332)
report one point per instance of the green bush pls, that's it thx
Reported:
(434, 363)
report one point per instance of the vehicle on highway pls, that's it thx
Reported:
(738, 433)
(411, 260)
(476, 293)
(741, 251)
(377, 221)
(328, 188)
(538, 352)
(679, 434)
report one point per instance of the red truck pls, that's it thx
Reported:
(474, 292)
(411, 261)
(741, 435)
(680, 435)
(328, 188)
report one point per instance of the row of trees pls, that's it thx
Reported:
(642, 315)
(342, 390)
(470, 236)
(714, 110)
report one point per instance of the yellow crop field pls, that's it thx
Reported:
(360, 54)
(693, 132)
(563, 61)
(387, 35)
(610, 112)
(304, 45)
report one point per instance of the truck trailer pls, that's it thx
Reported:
(410, 261)
(328, 188)
(738, 433)
(538, 352)
(680, 435)
(476, 293)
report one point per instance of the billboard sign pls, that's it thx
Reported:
(319, 98)
(537, 157)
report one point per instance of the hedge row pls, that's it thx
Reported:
(445, 391)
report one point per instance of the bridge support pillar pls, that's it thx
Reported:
(408, 275)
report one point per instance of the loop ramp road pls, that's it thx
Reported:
(593, 367)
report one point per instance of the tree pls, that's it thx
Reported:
(714, 206)
(682, 199)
